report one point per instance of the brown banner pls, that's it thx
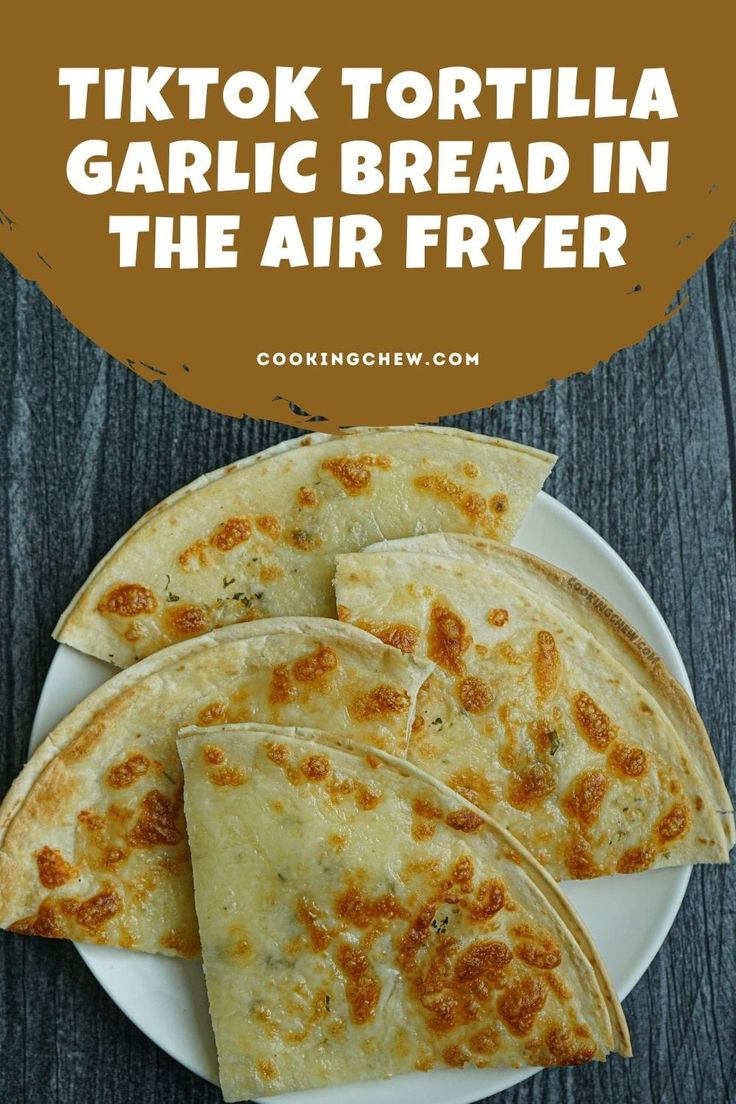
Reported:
(202, 331)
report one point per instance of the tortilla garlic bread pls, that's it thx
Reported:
(528, 716)
(259, 537)
(346, 938)
(595, 614)
(92, 837)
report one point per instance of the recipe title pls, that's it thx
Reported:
(364, 167)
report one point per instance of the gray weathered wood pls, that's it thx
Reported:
(648, 458)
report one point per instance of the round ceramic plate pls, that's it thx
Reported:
(166, 998)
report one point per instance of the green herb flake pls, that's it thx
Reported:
(554, 742)
(437, 721)
(228, 582)
(172, 597)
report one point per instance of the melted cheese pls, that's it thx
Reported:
(527, 716)
(338, 946)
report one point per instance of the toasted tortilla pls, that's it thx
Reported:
(594, 613)
(536, 722)
(259, 537)
(92, 838)
(359, 919)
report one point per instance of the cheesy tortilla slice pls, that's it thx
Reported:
(534, 720)
(259, 537)
(92, 837)
(359, 919)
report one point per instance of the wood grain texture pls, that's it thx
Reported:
(648, 457)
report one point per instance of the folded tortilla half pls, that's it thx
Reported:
(92, 838)
(359, 919)
(587, 754)
(258, 538)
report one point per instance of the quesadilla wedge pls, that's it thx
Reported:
(259, 537)
(92, 837)
(346, 938)
(528, 716)
(594, 613)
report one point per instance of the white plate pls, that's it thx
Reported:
(166, 998)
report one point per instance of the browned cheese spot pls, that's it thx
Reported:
(125, 774)
(448, 639)
(673, 824)
(213, 754)
(381, 701)
(368, 796)
(282, 689)
(579, 859)
(519, 1005)
(462, 873)
(315, 767)
(129, 600)
(464, 820)
(583, 800)
(46, 923)
(475, 694)
(473, 505)
(310, 917)
(497, 617)
(593, 723)
(157, 824)
(183, 943)
(267, 1070)
(354, 472)
(565, 1050)
(547, 664)
(113, 856)
(631, 762)
(195, 553)
(234, 531)
(470, 470)
(424, 808)
(473, 786)
(362, 986)
(532, 786)
(277, 753)
(484, 1042)
(228, 776)
(362, 911)
(636, 859)
(53, 869)
(307, 496)
(96, 911)
(91, 820)
(269, 525)
(316, 666)
(490, 898)
(270, 572)
(536, 948)
(422, 830)
(456, 1056)
(187, 620)
(86, 740)
(212, 714)
(481, 957)
(396, 635)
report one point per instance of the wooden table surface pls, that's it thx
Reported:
(648, 457)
